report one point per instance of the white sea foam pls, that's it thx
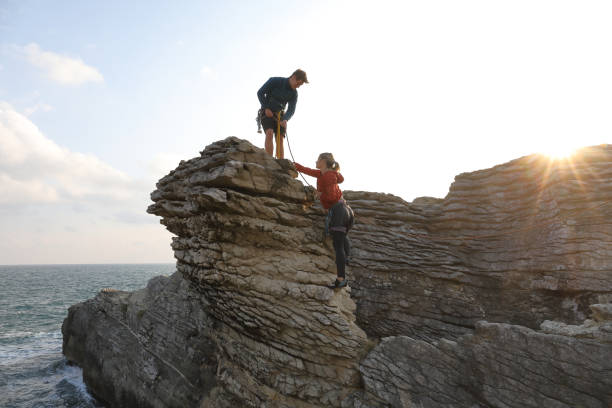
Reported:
(34, 302)
(74, 375)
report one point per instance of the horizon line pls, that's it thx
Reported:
(85, 264)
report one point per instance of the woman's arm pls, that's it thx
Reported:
(307, 170)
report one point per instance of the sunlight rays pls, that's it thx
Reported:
(560, 151)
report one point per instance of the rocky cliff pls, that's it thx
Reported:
(499, 295)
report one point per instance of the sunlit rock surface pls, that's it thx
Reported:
(520, 243)
(498, 295)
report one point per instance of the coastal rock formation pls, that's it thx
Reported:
(523, 242)
(480, 299)
(499, 365)
(149, 348)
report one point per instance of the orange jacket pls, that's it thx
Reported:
(327, 184)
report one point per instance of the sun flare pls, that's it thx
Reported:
(560, 151)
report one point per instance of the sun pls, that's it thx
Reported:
(560, 150)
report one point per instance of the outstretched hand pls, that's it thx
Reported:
(284, 123)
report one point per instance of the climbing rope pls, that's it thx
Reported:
(279, 138)
(293, 158)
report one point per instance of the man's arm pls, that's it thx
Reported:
(291, 108)
(263, 91)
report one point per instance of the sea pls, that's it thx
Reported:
(34, 300)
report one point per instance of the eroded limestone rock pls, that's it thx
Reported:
(499, 365)
(149, 348)
(248, 322)
(250, 242)
(520, 243)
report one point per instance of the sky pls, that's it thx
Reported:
(98, 100)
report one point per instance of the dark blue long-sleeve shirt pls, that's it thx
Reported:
(276, 93)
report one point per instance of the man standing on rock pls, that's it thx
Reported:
(274, 95)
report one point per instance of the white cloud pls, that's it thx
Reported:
(23, 192)
(60, 68)
(34, 168)
(60, 206)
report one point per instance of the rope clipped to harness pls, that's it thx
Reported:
(279, 138)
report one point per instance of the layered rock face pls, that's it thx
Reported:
(150, 348)
(476, 300)
(500, 365)
(252, 247)
(520, 243)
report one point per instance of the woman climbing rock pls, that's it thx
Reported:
(340, 216)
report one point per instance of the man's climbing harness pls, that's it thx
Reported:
(258, 120)
(280, 152)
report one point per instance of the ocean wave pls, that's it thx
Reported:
(15, 334)
(58, 384)
(30, 346)
(34, 300)
(73, 375)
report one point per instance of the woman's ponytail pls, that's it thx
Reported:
(329, 160)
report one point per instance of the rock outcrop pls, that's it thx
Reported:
(523, 242)
(499, 365)
(480, 299)
(149, 348)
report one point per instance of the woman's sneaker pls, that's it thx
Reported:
(339, 284)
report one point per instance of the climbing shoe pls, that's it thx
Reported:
(338, 284)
